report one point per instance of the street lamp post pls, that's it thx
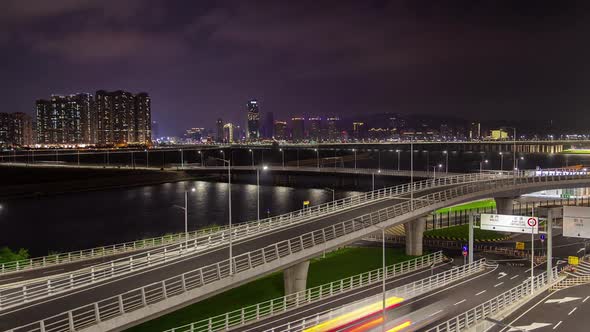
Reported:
(398, 159)
(258, 191)
(446, 153)
(185, 209)
(378, 171)
(354, 150)
(379, 162)
(317, 157)
(181, 159)
(501, 161)
(333, 193)
(228, 162)
(434, 170)
(252, 153)
(283, 156)
(201, 155)
(481, 165)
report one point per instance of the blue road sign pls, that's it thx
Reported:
(542, 237)
(464, 248)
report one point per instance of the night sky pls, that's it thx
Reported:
(203, 59)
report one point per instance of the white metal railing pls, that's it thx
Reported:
(305, 244)
(503, 301)
(292, 301)
(51, 285)
(405, 292)
(266, 223)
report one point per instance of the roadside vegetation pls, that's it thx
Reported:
(8, 255)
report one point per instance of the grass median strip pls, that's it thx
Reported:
(336, 265)
(482, 204)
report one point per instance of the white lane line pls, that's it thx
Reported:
(556, 325)
(483, 291)
(571, 312)
(526, 312)
(496, 285)
(46, 272)
(460, 301)
(435, 313)
(516, 276)
(584, 300)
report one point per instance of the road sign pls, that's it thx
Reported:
(542, 237)
(509, 223)
(305, 203)
(573, 260)
(465, 248)
(519, 245)
(576, 221)
(464, 253)
(532, 222)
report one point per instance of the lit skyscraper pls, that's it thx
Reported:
(253, 120)
(219, 124)
(280, 130)
(122, 118)
(298, 129)
(315, 128)
(65, 120)
(333, 130)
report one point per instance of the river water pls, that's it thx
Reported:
(84, 220)
(89, 219)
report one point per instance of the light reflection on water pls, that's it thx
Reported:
(89, 219)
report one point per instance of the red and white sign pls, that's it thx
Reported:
(510, 223)
(532, 222)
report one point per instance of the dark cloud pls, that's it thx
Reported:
(202, 59)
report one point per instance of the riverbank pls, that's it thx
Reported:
(23, 182)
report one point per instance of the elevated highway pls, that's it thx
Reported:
(153, 292)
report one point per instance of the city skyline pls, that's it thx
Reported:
(201, 61)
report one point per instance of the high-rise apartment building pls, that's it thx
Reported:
(315, 128)
(333, 128)
(109, 118)
(16, 129)
(359, 130)
(298, 129)
(475, 131)
(123, 118)
(219, 124)
(253, 120)
(280, 130)
(65, 120)
(268, 125)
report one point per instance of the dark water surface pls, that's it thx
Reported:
(84, 220)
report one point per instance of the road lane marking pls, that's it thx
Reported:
(571, 312)
(526, 312)
(435, 313)
(274, 320)
(516, 276)
(584, 300)
(460, 301)
(496, 285)
(483, 291)
(556, 325)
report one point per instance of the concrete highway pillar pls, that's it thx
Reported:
(550, 214)
(415, 236)
(295, 277)
(504, 204)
